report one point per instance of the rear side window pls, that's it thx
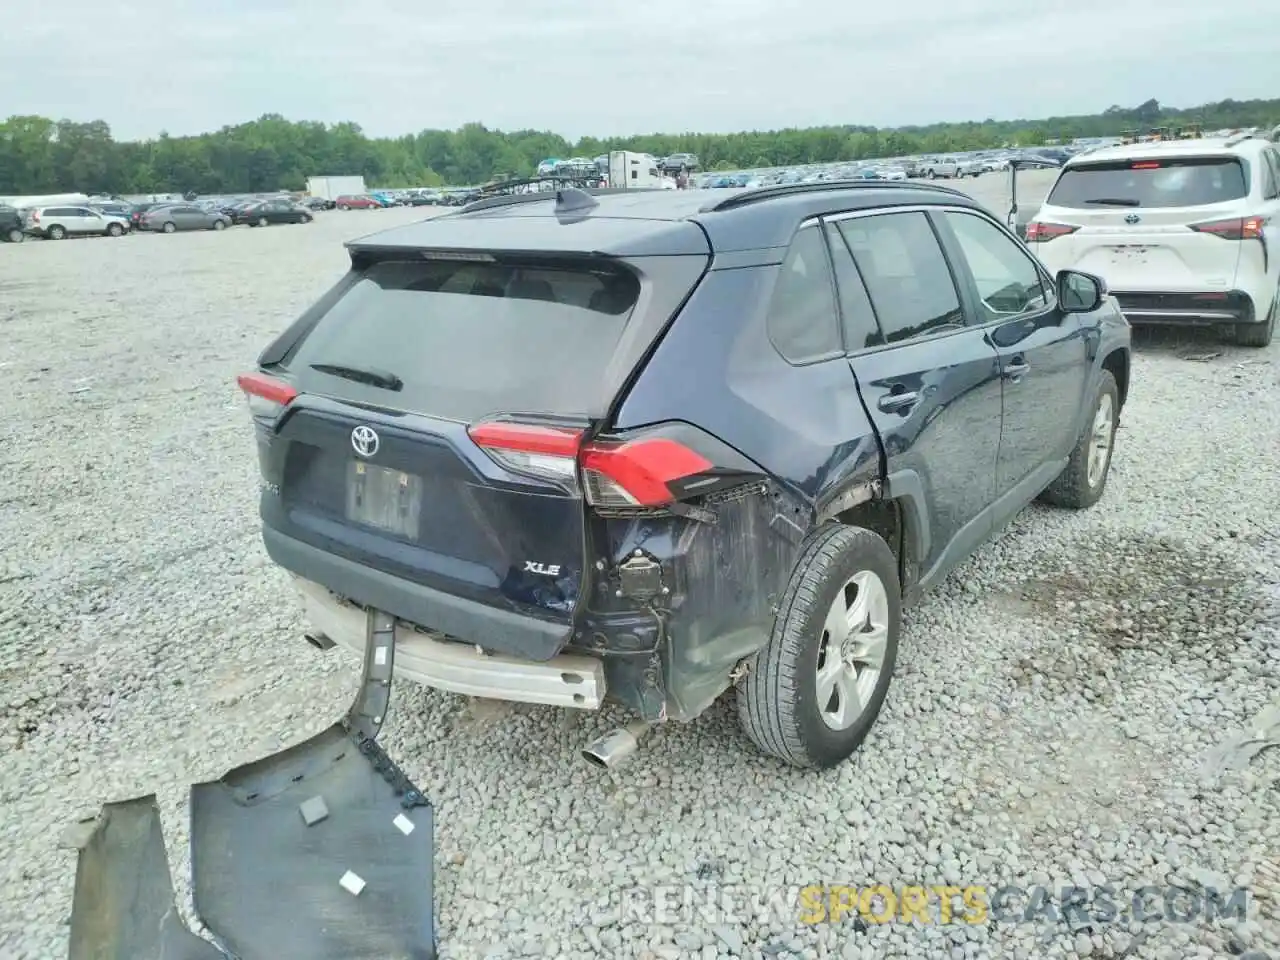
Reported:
(469, 340)
(905, 272)
(1152, 183)
(802, 310)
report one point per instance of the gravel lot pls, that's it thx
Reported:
(1056, 701)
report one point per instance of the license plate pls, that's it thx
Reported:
(385, 499)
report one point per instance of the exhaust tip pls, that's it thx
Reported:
(594, 758)
(318, 640)
(609, 751)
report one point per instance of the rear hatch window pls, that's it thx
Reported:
(465, 340)
(1151, 183)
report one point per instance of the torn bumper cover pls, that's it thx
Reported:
(320, 852)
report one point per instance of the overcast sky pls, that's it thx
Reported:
(617, 67)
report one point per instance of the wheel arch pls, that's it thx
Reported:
(1117, 363)
(899, 518)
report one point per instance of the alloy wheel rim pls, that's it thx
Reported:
(855, 637)
(1100, 440)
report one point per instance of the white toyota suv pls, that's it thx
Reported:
(1182, 231)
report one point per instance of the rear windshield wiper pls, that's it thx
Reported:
(374, 378)
(1115, 202)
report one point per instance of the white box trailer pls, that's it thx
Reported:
(331, 188)
(630, 170)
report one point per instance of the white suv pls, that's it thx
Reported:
(55, 223)
(1182, 231)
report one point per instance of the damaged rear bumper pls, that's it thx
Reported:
(565, 680)
(323, 851)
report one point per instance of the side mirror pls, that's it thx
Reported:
(1080, 292)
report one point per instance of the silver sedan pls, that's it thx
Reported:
(183, 216)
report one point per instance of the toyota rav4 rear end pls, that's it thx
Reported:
(433, 440)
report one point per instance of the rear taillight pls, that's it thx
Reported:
(267, 396)
(1237, 228)
(550, 453)
(631, 473)
(1041, 232)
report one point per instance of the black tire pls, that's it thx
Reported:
(777, 699)
(115, 230)
(15, 235)
(262, 221)
(56, 232)
(1259, 334)
(306, 218)
(930, 174)
(1072, 488)
(219, 224)
(343, 206)
(170, 227)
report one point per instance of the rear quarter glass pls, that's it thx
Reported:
(470, 340)
(1152, 183)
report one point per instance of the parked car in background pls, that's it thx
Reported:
(114, 208)
(1185, 232)
(11, 224)
(893, 173)
(933, 167)
(136, 211)
(677, 162)
(184, 216)
(969, 167)
(57, 223)
(360, 202)
(265, 212)
(424, 198)
(315, 203)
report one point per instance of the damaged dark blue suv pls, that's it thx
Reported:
(643, 447)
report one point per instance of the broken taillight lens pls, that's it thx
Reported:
(1236, 228)
(1041, 232)
(628, 473)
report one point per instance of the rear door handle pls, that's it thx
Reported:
(1014, 370)
(898, 402)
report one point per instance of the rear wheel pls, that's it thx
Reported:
(15, 235)
(219, 224)
(55, 232)
(262, 221)
(115, 230)
(1259, 334)
(1082, 481)
(169, 227)
(343, 206)
(816, 688)
(306, 218)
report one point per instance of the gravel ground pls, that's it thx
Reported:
(1057, 700)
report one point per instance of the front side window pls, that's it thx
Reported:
(906, 274)
(1008, 282)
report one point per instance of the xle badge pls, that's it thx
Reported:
(546, 569)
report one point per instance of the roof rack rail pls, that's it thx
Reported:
(511, 199)
(757, 194)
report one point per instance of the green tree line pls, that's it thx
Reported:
(40, 155)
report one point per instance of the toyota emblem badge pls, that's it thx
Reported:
(364, 440)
